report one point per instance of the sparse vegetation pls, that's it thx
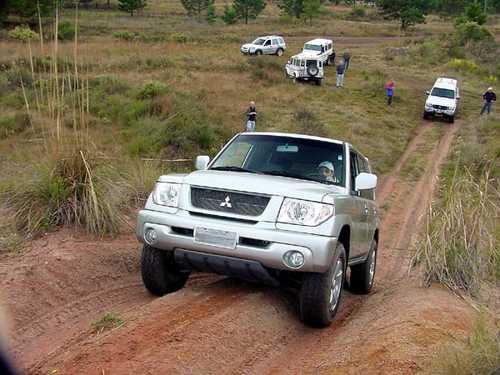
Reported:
(479, 355)
(107, 322)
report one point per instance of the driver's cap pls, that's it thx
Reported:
(326, 164)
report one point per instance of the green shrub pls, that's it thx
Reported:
(109, 84)
(374, 82)
(151, 89)
(74, 187)
(181, 38)
(14, 125)
(19, 77)
(464, 66)
(125, 35)
(66, 31)
(230, 16)
(22, 33)
(472, 32)
(107, 322)
(357, 13)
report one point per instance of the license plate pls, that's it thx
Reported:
(215, 237)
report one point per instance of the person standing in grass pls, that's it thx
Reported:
(347, 59)
(340, 74)
(389, 90)
(251, 117)
(489, 97)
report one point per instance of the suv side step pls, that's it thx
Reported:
(248, 270)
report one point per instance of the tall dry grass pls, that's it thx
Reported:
(461, 248)
(72, 182)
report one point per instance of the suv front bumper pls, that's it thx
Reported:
(260, 242)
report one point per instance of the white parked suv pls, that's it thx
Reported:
(321, 49)
(305, 67)
(265, 45)
(443, 99)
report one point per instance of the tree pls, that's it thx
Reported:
(311, 9)
(131, 5)
(211, 15)
(408, 12)
(229, 16)
(246, 9)
(473, 13)
(294, 8)
(195, 8)
(25, 9)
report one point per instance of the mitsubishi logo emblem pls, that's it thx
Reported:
(227, 202)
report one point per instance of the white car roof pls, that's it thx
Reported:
(319, 41)
(446, 83)
(307, 56)
(269, 36)
(300, 136)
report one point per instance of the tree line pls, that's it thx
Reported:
(407, 12)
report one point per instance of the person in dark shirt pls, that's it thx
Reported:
(251, 117)
(489, 97)
(347, 59)
(340, 74)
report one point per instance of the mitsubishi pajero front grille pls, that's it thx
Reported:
(228, 201)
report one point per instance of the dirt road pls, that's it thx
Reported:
(217, 325)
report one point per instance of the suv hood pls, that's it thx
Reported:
(437, 100)
(262, 184)
(251, 45)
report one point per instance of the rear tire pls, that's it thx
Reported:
(321, 293)
(362, 275)
(160, 274)
(425, 116)
(451, 119)
(318, 82)
(279, 52)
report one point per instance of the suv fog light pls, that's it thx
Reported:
(151, 236)
(293, 259)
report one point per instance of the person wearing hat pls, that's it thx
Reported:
(327, 172)
(251, 117)
(489, 97)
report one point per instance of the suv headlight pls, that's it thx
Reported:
(300, 212)
(428, 106)
(167, 194)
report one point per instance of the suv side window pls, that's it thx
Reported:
(354, 172)
(275, 42)
(281, 41)
(267, 43)
(364, 167)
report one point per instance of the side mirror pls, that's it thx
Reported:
(458, 97)
(428, 92)
(202, 162)
(366, 181)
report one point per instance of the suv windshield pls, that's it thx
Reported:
(305, 159)
(259, 41)
(443, 93)
(312, 47)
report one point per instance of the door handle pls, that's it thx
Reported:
(366, 209)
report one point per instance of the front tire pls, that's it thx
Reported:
(451, 119)
(258, 52)
(160, 274)
(425, 116)
(321, 292)
(362, 275)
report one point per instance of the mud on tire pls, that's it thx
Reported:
(160, 274)
(362, 275)
(315, 295)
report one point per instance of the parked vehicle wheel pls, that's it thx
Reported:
(280, 52)
(313, 71)
(362, 275)
(160, 274)
(425, 116)
(451, 119)
(318, 82)
(258, 52)
(321, 292)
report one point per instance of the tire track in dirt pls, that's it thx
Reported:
(243, 328)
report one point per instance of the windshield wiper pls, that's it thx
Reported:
(292, 175)
(233, 168)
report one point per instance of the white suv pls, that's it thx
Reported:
(305, 67)
(443, 99)
(265, 45)
(321, 49)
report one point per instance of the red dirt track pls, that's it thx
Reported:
(217, 325)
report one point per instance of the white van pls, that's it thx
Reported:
(305, 67)
(443, 99)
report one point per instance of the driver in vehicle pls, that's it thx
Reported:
(327, 172)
